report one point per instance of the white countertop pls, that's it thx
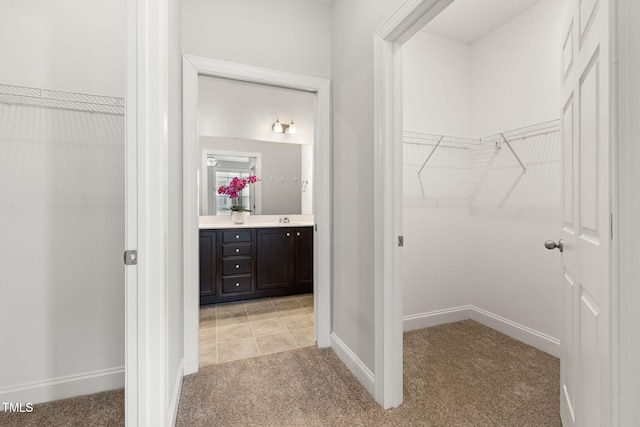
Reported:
(256, 221)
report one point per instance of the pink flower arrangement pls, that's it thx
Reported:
(234, 191)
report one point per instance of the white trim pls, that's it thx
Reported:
(148, 407)
(626, 213)
(131, 216)
(402, 24)
(190, 180)
(193, 67)
(175, 395)
(435, 318)
(65, 387)
(353, 363)
(539, 340)
(517, 331)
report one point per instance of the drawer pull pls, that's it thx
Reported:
(288, 234)
(237, 265)
(237, 236)
(237, 250)
(298, 233)
(237, 284)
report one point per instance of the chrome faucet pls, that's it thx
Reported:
(284, 220)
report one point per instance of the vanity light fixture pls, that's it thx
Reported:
(289, 129)
(277, 126)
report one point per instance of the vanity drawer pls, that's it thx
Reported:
(236, 266)
(236, 284)
(236, 250)
(236, 236)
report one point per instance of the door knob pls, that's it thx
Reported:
(550, 244)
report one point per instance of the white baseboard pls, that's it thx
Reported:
(434, 318)
(515, 330)
(175, 396)
(355, 365)
(65, 387)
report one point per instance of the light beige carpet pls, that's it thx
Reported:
(459, 374)
(100, 409)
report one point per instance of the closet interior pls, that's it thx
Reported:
(482, 176)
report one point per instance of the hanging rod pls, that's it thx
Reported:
(428, 144)
(419, 136)
(523, 132)
(36, 97)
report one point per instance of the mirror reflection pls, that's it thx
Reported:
(284, 171)
(221, 169)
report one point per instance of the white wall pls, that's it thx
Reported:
(436, 96)
(436, 74)
(62, 203)
(286, 35)
(353, 215)
(237, 109)
(499, 264)
(516, 82)
(68, 45)
(515, 77)
(281, 171)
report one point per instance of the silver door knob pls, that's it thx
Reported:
(550, 244)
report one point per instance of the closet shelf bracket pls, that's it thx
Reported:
(504, 139)
(430, 154)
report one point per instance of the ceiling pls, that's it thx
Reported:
(467, 21)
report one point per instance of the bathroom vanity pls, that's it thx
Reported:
(239, 262)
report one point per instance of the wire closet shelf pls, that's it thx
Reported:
(496, 140)
(69, 101)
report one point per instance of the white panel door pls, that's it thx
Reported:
(586, 341)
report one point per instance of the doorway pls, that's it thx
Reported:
(388, 41)
(482, 160)
(193, 67)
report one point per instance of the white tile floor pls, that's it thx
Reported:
(239, 330)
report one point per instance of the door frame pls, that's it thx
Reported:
(626, 210)
(146, 157)
(193, 67)
(402, 25)
(387, 42)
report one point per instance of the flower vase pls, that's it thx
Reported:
(238, 217)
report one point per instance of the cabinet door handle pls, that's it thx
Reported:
(298, 233)
(237, 250)
(288, 234)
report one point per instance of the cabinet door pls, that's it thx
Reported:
(275, 261)
(207, 263)
(304, 257)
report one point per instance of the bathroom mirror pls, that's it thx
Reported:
(284, 171)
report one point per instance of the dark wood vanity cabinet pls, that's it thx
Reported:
(207, 264)
(303, 268)
(247, 263)
(275, 258)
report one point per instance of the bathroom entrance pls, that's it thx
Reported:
(244, 301)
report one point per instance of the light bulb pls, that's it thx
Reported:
(277, 126)
(292, 128)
